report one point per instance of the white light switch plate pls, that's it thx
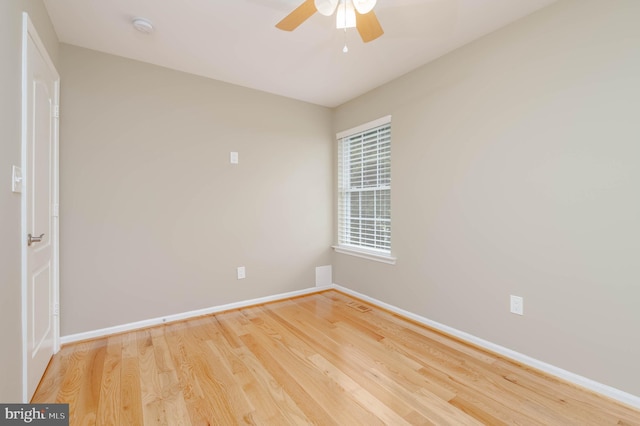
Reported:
(16, 179)
(233, 157)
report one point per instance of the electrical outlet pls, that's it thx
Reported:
(517, 305)
(241, 273)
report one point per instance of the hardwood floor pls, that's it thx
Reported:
(310, 360)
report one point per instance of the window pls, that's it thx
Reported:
(364, 190)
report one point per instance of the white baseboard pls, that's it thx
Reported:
(592, 385)
(611, 392)
(185, 315)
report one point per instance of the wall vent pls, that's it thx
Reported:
(358, 306)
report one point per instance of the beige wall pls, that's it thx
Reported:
(10, 146)
(154, 219)
(515, 170)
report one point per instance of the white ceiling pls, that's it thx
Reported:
(236, 40)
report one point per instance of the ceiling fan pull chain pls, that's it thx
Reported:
(345, 49)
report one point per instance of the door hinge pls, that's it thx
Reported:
(56, 111)
(56, 210)
(56, 309)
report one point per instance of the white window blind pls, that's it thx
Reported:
(364, 188)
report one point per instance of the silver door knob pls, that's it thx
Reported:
(31, 239)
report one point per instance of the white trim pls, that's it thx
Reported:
(592, 385)
(26, 24)
(186, 315)
(369, 255)
(363, 127)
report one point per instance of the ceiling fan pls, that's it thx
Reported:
(351, 13)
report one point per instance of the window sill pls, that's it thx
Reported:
(364, 254)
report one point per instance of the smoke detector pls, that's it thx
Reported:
(143, 25)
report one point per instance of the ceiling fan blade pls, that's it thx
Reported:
(298, 16)
(368, 26)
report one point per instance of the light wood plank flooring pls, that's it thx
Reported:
(309, 360)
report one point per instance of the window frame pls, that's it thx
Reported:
(380, 255)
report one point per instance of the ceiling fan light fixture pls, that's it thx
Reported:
(364, 6)
(350, 14)
(346, 16)
(326, 7)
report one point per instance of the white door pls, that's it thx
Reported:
(40, 204)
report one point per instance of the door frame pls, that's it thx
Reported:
(29, 31)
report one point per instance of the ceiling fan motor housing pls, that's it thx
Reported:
(328, 7)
